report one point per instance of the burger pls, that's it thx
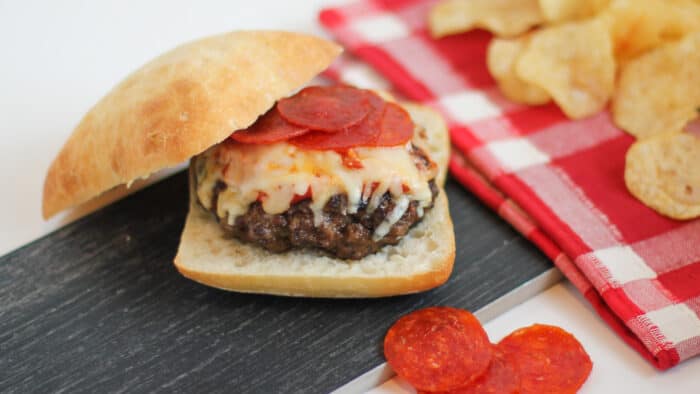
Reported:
(317, 191)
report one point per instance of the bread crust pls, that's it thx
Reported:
(178, 105)
(422, 260)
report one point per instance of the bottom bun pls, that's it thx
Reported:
(422, 260)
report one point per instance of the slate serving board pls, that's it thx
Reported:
(97, 306)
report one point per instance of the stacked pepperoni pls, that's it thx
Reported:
(445, 350)
(331, 118)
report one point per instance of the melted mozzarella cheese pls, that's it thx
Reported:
(384, 227)
(276, 173)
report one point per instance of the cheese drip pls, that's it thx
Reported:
(274, 174)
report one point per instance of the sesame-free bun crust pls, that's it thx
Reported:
(177, 106)
(422, 260)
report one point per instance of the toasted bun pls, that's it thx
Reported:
(178, 105)
(422, 260)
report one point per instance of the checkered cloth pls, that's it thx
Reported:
(559, 182)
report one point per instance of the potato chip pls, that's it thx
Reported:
(505, 18)
(660, 90)
(664, 173)
(501, 57)
(574, 63)
(565, 10)
(640, 25)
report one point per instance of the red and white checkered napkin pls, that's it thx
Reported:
(559, 182)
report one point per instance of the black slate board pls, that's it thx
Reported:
(97, 306)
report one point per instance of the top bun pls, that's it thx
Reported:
(177, 106)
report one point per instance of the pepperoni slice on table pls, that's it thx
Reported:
(365, 133)
(267, 129)
(396, 126)
(549, 359)
(501, 378)
(326, 108)
(438, 348)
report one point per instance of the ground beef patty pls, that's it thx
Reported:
(340, 234)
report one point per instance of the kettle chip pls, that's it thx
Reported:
(501, 59)
(660, 90)
(574, 63)
(505, 18)
(664, 173)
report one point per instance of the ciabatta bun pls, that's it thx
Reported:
(422, 260)
(177, 106)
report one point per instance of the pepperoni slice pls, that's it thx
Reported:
(326, 108)
(502, 377)
(267, 129)
(438, 348)
(365, 133)
(396, 126)
(550, 360)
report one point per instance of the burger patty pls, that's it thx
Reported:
(340, 234)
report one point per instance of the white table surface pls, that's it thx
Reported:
(58, 58)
